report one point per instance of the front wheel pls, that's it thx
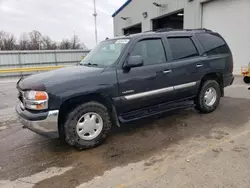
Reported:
(87, 125)
(208, 97)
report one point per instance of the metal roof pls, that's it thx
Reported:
(121, 8)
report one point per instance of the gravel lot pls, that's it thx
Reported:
(177, 149)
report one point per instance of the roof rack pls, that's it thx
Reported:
(199, 29)
(148, 31)
(171, 29)
(166, 29)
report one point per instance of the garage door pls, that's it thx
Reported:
(231, 18)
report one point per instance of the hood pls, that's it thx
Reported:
(42, 80)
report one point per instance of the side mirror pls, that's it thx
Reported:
(134, 61)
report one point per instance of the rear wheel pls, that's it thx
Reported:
(246, 79)
(208, 97)
(87, 125)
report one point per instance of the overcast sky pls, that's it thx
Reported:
(59, 18)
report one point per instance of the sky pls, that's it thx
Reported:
(59, 18)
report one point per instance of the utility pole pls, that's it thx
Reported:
(95, 15)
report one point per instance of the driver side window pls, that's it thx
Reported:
(151, 51)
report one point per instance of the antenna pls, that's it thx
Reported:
(95, 15)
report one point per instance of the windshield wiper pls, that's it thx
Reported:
(91, 64)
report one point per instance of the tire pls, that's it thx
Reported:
(246, 79)
(87, 110)
(200, 102)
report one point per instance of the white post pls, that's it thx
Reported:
(95, 15)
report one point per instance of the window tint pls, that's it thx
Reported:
(212, 43)
(182, 48)
(151, 51)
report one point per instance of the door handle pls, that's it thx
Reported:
(199, 65)
(167, 71)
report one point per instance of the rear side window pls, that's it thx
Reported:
(212, 44)
(151, 50)
(182, 47)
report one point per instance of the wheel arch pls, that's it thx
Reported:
(72, 103)
(217, 76)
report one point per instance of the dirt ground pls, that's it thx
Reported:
(178, 149)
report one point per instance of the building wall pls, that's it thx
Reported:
(228, 17)
(222, 16)
(134, 10)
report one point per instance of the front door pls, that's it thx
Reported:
(149, 84)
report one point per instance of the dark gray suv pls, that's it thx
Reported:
(126, 79)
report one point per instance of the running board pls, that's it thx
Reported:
(154, 110)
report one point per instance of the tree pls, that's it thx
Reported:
(35, 38)
(53, 46)
(75, 42)
(48, 44)
(65, 44)
(24, 42)
(83, 46)
(7, 41)
(36, 41)
(1, 39)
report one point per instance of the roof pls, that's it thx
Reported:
(121, 8)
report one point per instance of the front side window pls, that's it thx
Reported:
(106, 53)
(151, 51)
(182, 47)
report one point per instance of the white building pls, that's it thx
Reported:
(230, 18)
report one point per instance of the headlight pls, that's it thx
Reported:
(36, 95)
(36, 100)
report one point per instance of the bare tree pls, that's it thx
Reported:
(65, 44)
(48, 44)
(75, 42)
(24, 42)
(10, 42)
(53, 46)
(83, 46)
(1, 39)
(7, 41)
(35, 40)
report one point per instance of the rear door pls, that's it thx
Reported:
(187, 66)
(147, 85)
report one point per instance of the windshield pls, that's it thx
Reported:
(105, 54)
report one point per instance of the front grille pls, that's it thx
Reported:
(20, 96)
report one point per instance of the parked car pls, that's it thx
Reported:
(126, 79)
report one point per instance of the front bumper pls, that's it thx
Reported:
(44, 123)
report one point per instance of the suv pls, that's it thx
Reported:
(126, 79)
